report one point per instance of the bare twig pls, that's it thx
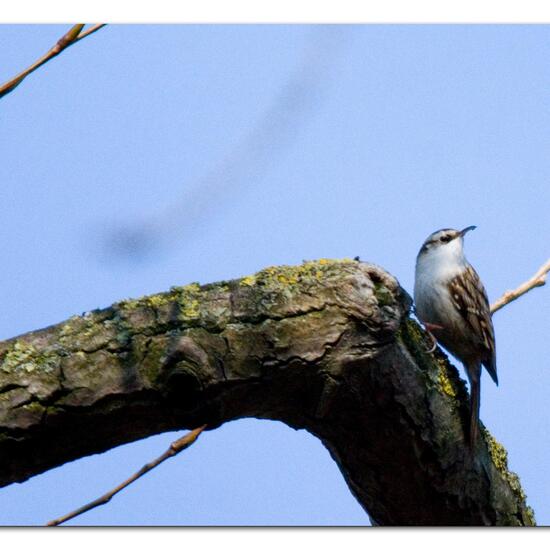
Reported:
(538, 279)
(74, 34)
(89, 31)
(175, 448)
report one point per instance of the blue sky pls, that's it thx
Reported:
(151, 156)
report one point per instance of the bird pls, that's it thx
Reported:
(451, 302)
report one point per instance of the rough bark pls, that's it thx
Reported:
(326, 346)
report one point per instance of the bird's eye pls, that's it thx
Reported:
(445, 238)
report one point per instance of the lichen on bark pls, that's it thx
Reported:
(326, 346)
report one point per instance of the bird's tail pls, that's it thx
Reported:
(474, 373)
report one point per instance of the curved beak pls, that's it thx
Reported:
(466, 229)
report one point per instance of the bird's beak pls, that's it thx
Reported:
(466, 229)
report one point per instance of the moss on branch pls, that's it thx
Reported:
(325, 346)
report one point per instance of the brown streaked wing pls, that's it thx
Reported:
(470, 299)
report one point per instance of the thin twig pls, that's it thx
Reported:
(89, 31)
(538, 279)
(74, 34)
(175, 448)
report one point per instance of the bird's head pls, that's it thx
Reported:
(445, 244)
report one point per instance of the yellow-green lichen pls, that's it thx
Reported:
(154, 301)
(188, 299)
(499, 456)
(413, 338)
(383, 295)
(97, 330)
(190, 309)
(33, 407)
(250, 280)
(498, 453)
(123, 331)
(530, 516)
(151, 364)
(191, 287)
(157, 300)
(442, 374)
(287, 279)
(25, 357)
(444, 382)
(290, 275)
(81, 325)
(129, 304)
(71, 326)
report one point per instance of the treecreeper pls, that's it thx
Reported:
(452, 304)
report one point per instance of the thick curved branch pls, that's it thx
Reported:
(72, 36)
(538, 279)
(326, 346)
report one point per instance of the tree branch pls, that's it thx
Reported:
(175, 448)
(538, 279)
(74, 34)
(326, 346)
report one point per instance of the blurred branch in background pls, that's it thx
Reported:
(68, 39)
(244, 165)
(538, 279)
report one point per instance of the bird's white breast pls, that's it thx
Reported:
(434, 269)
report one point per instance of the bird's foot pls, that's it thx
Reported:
(429, 327)
(432, 326)
(434, 343)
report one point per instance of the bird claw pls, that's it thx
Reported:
(434, 342)
(429, 327)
